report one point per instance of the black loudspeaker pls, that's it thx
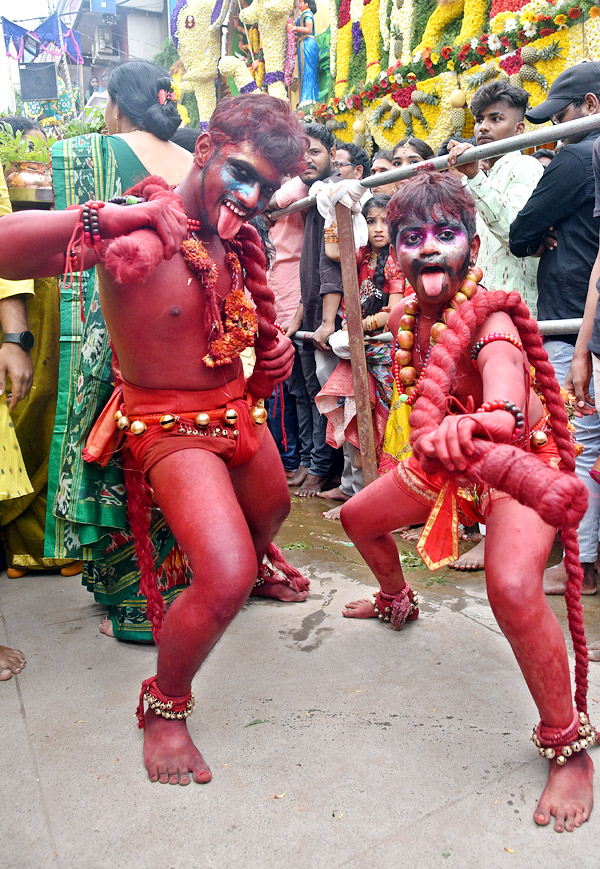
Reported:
(38, 81)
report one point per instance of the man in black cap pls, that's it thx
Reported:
(558, 224)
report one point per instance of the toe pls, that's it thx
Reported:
(559, 824)
(173, 778)
(541, 817)
(5, 675)
(163, 777)
(184, 777)
(202, 776)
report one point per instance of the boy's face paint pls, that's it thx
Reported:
(434, 256)
(237, 183)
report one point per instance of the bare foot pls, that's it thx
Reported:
(411, 534)
(106, 627)
(594, 651)
(471, 560)
(311, 486)
(72, 569)
(555, 579)
(298, 477)
(278, 591)
(169, 753)
(11, 661)
(359, 609)
(16, 572)
(568, 795)
(334, 513)
(334, 495)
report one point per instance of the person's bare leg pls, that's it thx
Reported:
(555, 578)
(471, 560)
(517, 546)
(11, 661)
(265, 508)
(311, 486)
(368, 519)
(195, 493)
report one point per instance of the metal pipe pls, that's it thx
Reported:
(580, 126)
(546, 327)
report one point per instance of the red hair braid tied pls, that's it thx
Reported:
(288, 575)
(558, 496)
(252, 258)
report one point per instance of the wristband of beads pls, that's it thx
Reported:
(493, 336)
(91, 222)
(503, 404)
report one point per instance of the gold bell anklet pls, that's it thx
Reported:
(552, 742)
(172, 708)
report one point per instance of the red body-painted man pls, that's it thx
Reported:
(479, 362)
(212, 465)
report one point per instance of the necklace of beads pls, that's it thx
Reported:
(408, 379)
(235, 328)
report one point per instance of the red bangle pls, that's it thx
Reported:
(493, 336)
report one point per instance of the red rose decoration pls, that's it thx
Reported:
(357, 101)
(574, 12)
(546, 31)
(482, 50)
(446, 52)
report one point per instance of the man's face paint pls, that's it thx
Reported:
(434, 256)
(237, 183)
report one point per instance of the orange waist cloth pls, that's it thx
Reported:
(438, 543)
(156, 443)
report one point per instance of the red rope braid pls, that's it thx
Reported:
(138, 517)
(254, 263)
(560, 498)
(292, 576)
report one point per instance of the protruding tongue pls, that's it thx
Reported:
(229, 223)
(432, 280)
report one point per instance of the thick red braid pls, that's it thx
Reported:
(252, 258)
(139, 504)
(559, 497)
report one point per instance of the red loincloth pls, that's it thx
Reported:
(451, 504)
(235, 444)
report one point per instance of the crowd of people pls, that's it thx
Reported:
(171, 383)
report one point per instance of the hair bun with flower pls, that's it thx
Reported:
(164, 95)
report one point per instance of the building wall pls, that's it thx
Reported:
(146, 32)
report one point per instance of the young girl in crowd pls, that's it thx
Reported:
(381, 286)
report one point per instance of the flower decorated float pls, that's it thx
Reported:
(396, 67)
(410, 67)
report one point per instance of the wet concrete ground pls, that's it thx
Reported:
(332, 742)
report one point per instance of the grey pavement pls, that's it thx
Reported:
(333, 743)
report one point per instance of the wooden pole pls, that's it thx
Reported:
(356, 338)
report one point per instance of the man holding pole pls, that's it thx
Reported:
(558, 225)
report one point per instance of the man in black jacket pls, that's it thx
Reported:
(558, 224)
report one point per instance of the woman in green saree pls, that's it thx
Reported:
(86, 503)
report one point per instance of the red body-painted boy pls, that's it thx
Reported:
(479, 362)
(178, 323)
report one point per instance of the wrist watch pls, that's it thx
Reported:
(24, 339)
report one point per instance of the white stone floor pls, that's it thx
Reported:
(332, 743)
